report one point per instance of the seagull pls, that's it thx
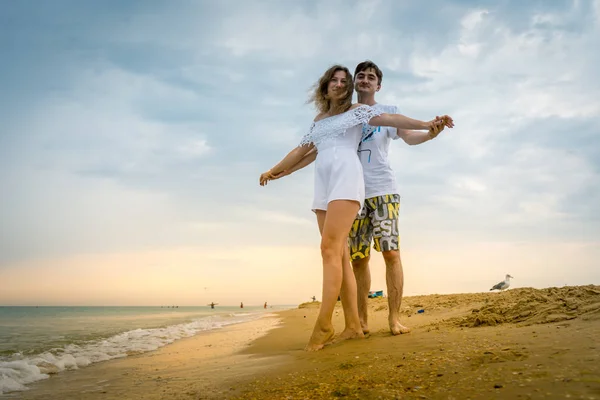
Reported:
(502, 285)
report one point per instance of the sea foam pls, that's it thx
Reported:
(18, 370)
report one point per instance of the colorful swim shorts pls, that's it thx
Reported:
(377, 222)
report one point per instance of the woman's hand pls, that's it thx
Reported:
(279, 175)
(265, 177)
(446, 119)
(270, 176)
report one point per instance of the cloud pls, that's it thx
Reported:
(104, 114)
(255, 33)
(520, 97)
(119, 136)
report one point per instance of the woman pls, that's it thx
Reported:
(339, 189)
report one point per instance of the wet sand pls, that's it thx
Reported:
(191, 368)
(522, 343)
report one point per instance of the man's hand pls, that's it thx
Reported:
(435, 128)
(438, 124)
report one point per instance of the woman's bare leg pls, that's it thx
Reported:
(353, 328)
(334, 225)
(323, 331)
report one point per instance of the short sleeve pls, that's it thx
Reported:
(307, 139)
(392, 133)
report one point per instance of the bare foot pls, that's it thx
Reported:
(365, 328)
(319, 338)
(350, 334)
(397, 328)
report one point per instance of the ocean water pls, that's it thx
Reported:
(38, 341)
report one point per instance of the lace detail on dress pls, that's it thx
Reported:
(369, 130)
(330, 127)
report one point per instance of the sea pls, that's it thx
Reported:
(36, 342)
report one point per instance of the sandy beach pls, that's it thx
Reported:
(522, 343)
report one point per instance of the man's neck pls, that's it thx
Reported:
(367, 98)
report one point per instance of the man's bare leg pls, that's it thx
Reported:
(363, 285)
(394, 277)
(353, 329)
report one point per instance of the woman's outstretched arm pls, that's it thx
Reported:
(400, 121)
(290, 160)
(305, 161)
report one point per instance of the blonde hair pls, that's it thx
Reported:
(323, 102)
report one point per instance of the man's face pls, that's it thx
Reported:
(366, 82)
(336, 89)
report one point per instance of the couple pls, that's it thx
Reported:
(339, 191)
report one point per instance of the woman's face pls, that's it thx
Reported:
(336, 89)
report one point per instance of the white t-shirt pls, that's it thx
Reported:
(373, 153)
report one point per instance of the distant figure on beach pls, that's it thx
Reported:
(339, 190)
(241, 305)
(505, 284)
(265, 306)
(314, 299)
(377, 221)
(212, 305)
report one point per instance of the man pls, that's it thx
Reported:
(378, 220)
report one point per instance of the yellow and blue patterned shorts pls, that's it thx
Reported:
(377, 222)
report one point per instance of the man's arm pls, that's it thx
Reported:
(415, 137)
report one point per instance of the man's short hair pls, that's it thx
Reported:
(365, 65)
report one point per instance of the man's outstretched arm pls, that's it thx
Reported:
(415, 137)
(412, 137)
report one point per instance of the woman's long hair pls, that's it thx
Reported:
(323, 102)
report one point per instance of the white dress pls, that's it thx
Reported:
(338, 170)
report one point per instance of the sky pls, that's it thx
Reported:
(133, 134)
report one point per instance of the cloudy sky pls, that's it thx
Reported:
(133, 133)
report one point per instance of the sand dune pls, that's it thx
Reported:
(528, 306)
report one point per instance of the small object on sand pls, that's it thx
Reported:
(421, 311)
(505, 284)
